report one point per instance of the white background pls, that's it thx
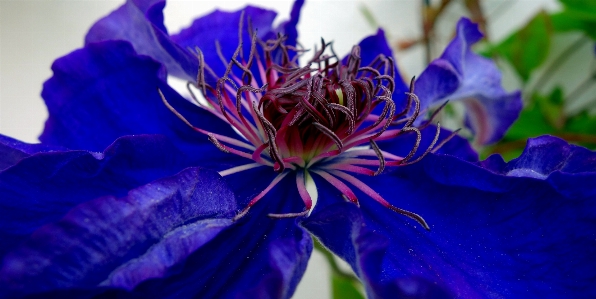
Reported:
(34, 33)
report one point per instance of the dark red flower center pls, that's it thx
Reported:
(323, 118)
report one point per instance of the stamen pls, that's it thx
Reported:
(428, 149)
(416, 145)
(239, 169)
(300, 183)
(375, 147)
(444, 141)
(244, 211)
(374, 195)
(329, 134)
(339, 185)
(271, 133)
(289, 215)
(433, 115)
(220, 137)
(347, 113)
(217, 144)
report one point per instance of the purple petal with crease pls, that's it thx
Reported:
(140, 22)
(461, 75)
(89, 243)
(43, 187)
(110, 81)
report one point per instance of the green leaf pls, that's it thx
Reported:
(344, 288)
(576, 15)
(527, 48)
(588, 6)
(571, 21)
(582, 123)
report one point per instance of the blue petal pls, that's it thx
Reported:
(102, 230)
(120, 241)
(340, 226)
(42, 187)
(13, 151)
(106, 90)
(257, 257)
(492, 234)
(460, 74)
(275, 251)
(140, 22)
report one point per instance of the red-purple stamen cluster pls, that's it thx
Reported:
(319, 118)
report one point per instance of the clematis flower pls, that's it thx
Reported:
(136, 191)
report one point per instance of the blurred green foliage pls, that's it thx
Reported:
(527, 48)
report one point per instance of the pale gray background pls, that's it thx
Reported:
(35, 32)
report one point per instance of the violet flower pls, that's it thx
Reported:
(150, 217)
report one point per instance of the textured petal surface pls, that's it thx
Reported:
(497, 229)
(106, 90)
(140, 22)
(275, 251)
(460, 74)
(121, 241)
(257, 257)
(43, 187)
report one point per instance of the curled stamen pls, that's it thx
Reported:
(217, 144)
(347, 113)
(428, 149)
(410, 215)
(375, 147)
(329, 134)
(416, 145)
(271, 133)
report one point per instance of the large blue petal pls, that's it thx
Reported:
(119, 242)
(42, 187)
(460, 74)
(106, 90)
(257, 257)
(103, 228)
(140, 22)
(496, 231)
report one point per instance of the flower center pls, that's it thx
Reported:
(323, 118)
